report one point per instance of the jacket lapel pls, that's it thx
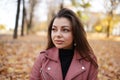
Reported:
(54, 67)
(76, 68)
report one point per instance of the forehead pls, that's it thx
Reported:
(62, 22)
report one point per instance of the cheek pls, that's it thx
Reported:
(69, 38)
(52, 35)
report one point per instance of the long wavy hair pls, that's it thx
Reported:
(78, 32)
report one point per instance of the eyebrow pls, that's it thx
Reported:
(62, 26)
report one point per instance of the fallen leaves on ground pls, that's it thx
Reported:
(108, 55)
(17, 57)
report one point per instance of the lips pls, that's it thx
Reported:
(59, 41)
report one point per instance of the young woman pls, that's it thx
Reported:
(68, 55)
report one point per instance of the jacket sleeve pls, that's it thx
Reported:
(93, 72)
(35, 73)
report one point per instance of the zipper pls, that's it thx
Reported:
(42, 74)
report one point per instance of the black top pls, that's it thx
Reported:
(65, 56)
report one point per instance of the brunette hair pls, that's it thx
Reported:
(78, 32)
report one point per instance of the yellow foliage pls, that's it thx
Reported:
(104, 22)
(2, 27)
(98, 28)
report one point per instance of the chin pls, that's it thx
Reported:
(59, 47)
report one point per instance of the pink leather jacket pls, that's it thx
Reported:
(47, 67)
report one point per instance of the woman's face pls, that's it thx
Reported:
(61, 33)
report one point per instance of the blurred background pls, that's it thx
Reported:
(23, 27)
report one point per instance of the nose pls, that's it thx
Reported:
(59, 34)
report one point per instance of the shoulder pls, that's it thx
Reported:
(43, 52)
(91, 60)
(41, 56)
(92, 55)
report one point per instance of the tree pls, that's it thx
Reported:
(62, 4)
(110, 6)
(32, 6)
(80, 4)
(17, 19)
(23, 18)
(53, 7)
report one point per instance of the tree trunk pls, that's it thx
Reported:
(29, 26)
(30, 22)
(109, 22)
(108, 30)
(62, 4)
(23, 19)
(17, 20)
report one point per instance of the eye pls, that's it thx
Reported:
(65, 30)
(54, 29)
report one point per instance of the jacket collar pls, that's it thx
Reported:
(75, 69)
(52, 51)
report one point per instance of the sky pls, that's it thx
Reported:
(8, 11)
